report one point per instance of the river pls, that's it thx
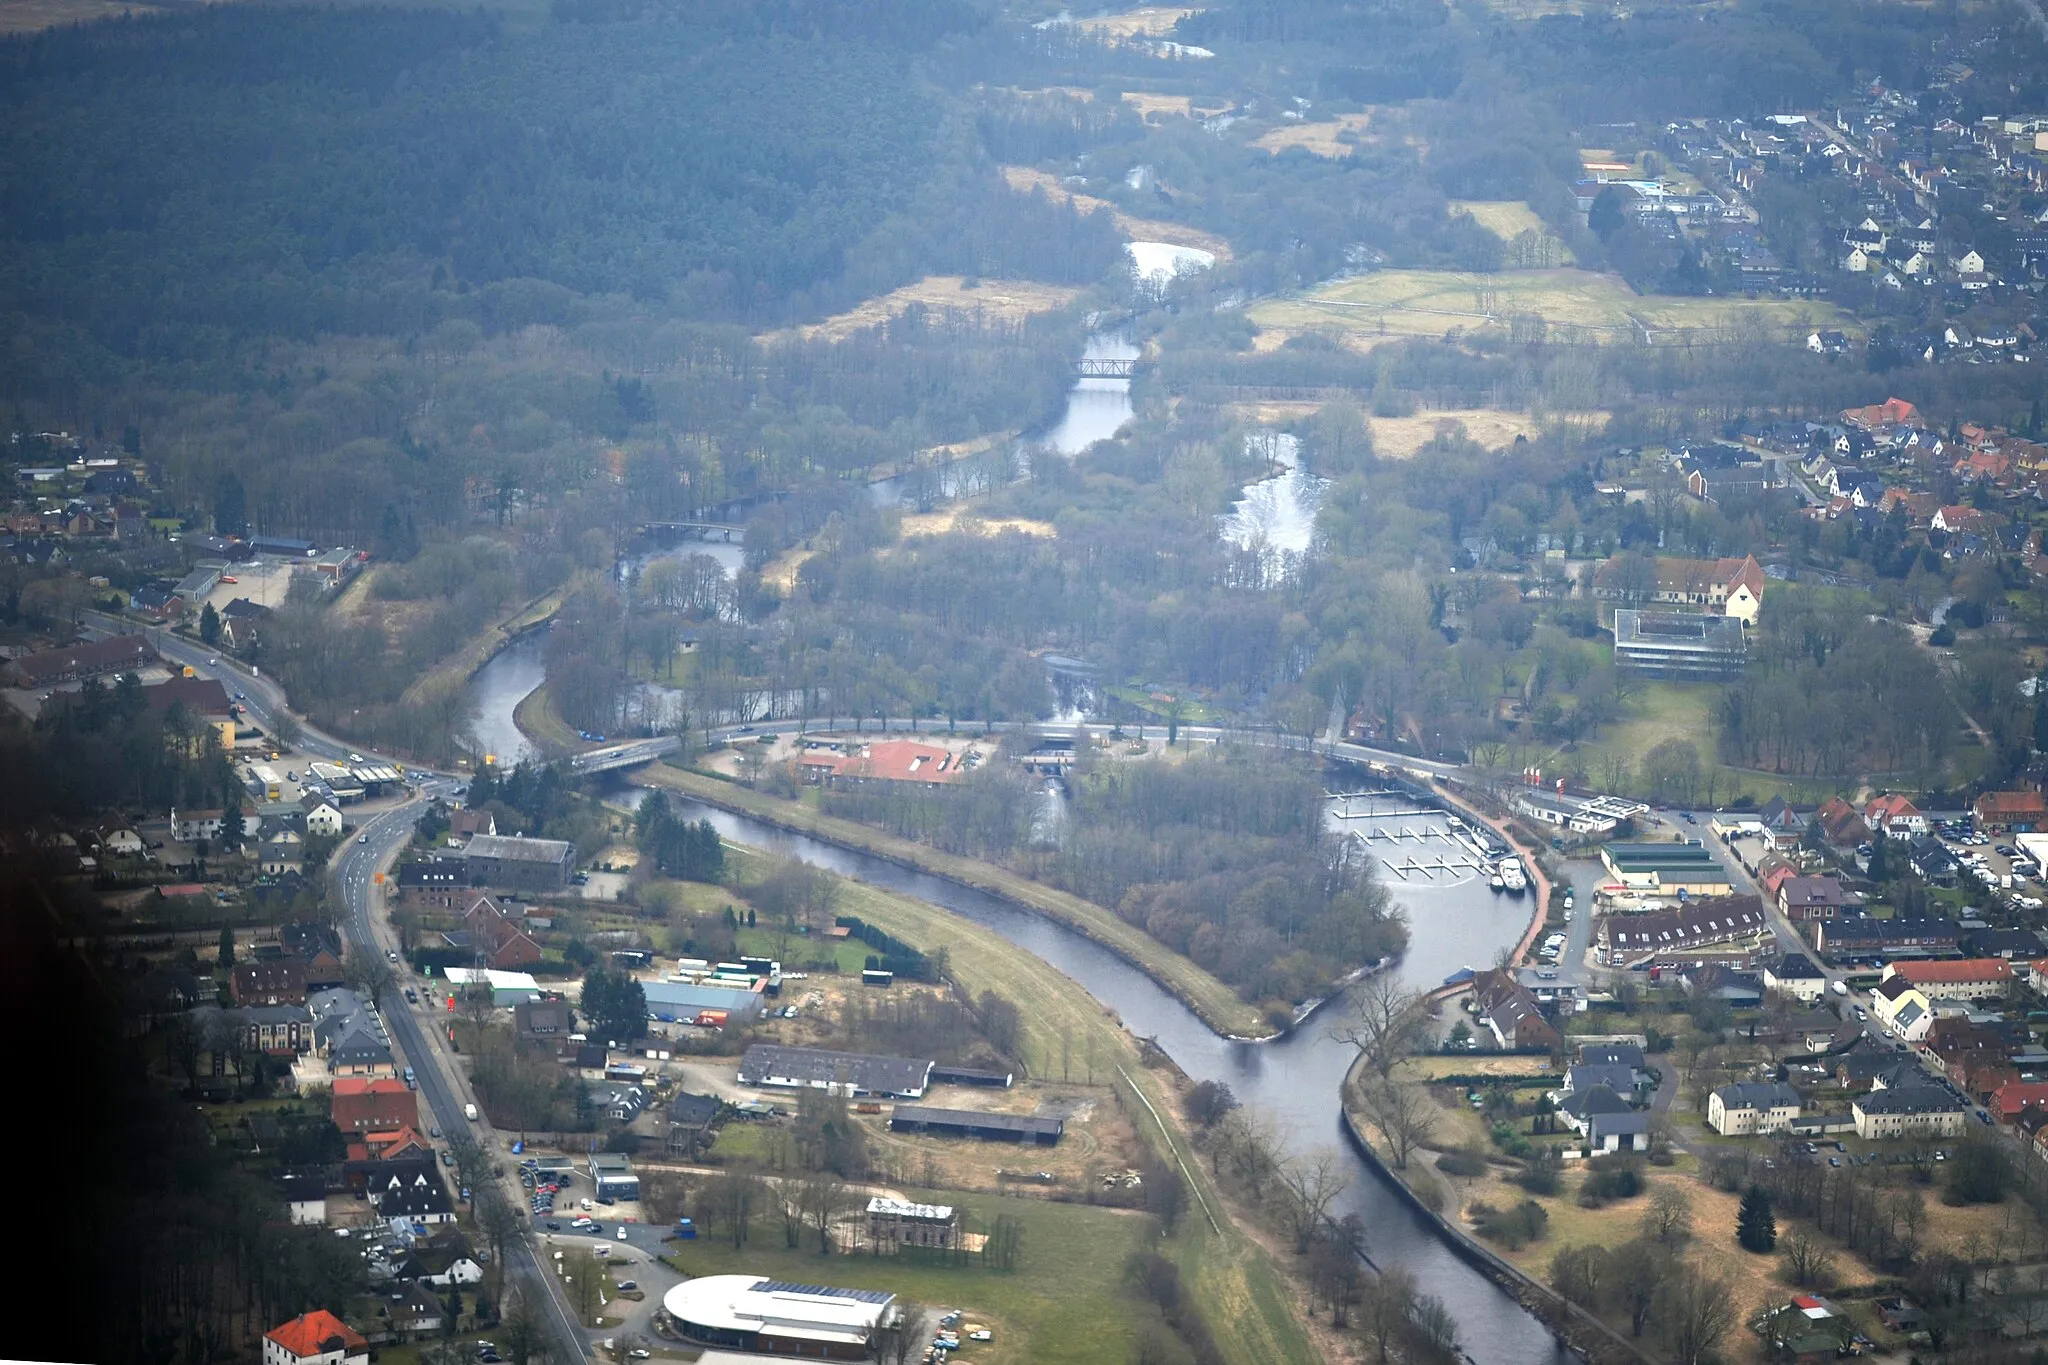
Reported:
(1452, 923)
(1295, 1080)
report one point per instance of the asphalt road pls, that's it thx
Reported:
(378, 842)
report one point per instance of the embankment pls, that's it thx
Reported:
(1213, 1002)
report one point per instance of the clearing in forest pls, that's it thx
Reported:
(1398, 438)
(997, 300)
(1149, 21)
(1573, 304)
(1324, 139)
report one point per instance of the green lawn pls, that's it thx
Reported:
(1064, 1303)
(1676, 710)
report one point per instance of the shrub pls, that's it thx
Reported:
(1466, 1161)
(1515, 1228)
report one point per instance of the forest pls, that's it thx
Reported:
(1222, 857)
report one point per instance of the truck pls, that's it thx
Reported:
(1839, 987)
(469, 1112)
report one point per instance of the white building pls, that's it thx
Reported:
(315, 1338)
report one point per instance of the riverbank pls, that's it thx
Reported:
(1245, 1297)
(542, 725)
(474, 653)
(1214, 1003)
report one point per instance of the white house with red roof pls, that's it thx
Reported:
(1893, 814)
(315, 1338)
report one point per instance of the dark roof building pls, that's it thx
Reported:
(855, 1073)
(519, 864)
(115, 654)
(973, 1123)
(1863, 936)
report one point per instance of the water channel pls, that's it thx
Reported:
(1454, 921)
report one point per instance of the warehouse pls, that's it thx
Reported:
(682, 1002)
(972, 1123)
(776, 1317)
(1654, 868)
(847, 1073)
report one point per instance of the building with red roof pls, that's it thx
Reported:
(2010, 812)
(363, 1104)
(1892, 412)
(891, 760)
(1976, 978)
(1895, 815)
(315, 1338)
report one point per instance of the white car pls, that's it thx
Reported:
(622, 1234)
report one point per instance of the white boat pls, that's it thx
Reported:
(1495, 880)
(1513, 880)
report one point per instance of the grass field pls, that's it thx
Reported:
(1320, 138)
(998, 300)
(1137, 229)
(1218, 1005)
(1508, 219)
(1600, 307)
(1676, 710)
(1400, 437)
(1064, 1303)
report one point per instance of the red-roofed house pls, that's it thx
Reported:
(2014, 812)
(1840, 823)
(2014, 1096)
(315, 1338)
(1893, 814)
(1892, 412)
(1724, 587)
(1973, 520)
(506, 947)
(394, 1144)
(1977, 978)
(372, 1105)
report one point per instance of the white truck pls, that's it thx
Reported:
(469, 1112)
(1840, 987)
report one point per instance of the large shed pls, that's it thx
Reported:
(973, 1123)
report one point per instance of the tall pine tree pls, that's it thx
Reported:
(1756, 1227)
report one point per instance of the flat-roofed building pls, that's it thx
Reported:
(1661, 644)
(778, 1317)
(1652, 868)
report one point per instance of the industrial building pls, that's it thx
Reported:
(846, 1073)
(777, 1317)
(682, 1002)
(1672, 867)
(973, 1123)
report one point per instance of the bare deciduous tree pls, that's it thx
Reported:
(1313, 1181)
(1667, 1220)
(1383, 1022)
(1806, 1260)
(1695, 1312)
(1404, 1114)
(1384, 1309)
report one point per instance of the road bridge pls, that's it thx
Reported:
(628, 755)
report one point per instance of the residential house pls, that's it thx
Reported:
(1916, 1111)
(2017, 1095)
(1629, 1055)
(1810, 898)
(2020, 812)
(1718, 587)
(278, 980)
(1866, 937)
(241, 621)
(412, 1192)
(1579, 1108)
(1626, 939)
(895, 1223)
(434, 883)
(499, 940)
(1796, 977)
(689, 1123)
(542, 1024)
(1511, 1010)
(71, 663)
(323, 819)
(1841, 824)
(1894, 815)
(1750, 1107)
(365, 1104)
(315, 1338)
(1782, 823)
(1970, 979)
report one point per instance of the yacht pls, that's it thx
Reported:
(1513, 880)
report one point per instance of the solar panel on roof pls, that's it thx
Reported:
(823, 1291)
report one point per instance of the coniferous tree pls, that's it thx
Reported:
(1756, 1227)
